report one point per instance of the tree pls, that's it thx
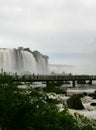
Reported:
(74, 102)
(29, 109)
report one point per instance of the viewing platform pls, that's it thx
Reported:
(50, 78)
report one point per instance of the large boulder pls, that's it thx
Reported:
(74, 102)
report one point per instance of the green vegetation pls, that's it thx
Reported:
(54, 89)
(55, 83)
(81, 82)
(93, 104)
(74, 102)
(29, 109)
(66, 82)
(93, 95)
(85, 122)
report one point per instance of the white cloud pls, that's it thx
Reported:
(63, 29)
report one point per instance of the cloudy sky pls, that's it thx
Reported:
(65, 30)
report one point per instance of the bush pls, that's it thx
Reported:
(84, 123)
(55, 83)
(66, 82)
(81, 82)
(74, 102)
(93, 104)
(93, 95)
(84, 93)
(56, 90)
(32, 110)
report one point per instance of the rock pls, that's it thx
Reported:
(74, 102)
(93, 104)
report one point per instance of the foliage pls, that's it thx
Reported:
(55, 83)
(84, 123)
(93, 95)
(74, 102)
(81, 82)
(66, 82)
(56, 90)
(84, 94)
(29, 109)
(93, 104)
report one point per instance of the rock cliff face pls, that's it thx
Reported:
(23, 61)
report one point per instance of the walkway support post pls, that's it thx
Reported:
(90, 82)
(73, 83)
(47, 83)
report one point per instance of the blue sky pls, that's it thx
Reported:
(65, 30)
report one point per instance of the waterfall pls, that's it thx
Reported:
(23, 61)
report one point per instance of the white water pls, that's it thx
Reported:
(23, 62)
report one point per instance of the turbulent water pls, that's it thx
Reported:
(23, 61)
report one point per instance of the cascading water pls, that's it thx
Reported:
(23, 61)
